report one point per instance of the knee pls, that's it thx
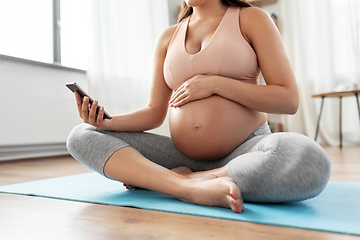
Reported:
(311, 165)
(282, 167)
(317, 165)
(76, 138)
(302, 165)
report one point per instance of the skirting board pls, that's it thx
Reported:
(32, 151)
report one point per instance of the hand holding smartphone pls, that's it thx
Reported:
(74, 87)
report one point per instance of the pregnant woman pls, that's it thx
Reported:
(221, 151)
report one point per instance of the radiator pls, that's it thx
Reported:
(35, 126)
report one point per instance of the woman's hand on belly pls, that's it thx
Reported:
(196, 88)
(211, 128)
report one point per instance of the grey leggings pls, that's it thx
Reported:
(267, 167)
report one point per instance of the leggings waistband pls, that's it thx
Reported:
(263, 129)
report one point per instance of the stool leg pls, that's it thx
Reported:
(318, 123)
(357, 101)
(340, 122)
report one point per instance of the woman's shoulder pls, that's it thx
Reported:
(253, 15)
(167, 34)
(164, 39)
(254, 20)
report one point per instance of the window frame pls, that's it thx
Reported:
(56, 46)
(56, 32)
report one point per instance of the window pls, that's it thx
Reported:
(75, 37)
(27, 31)
(346, 38)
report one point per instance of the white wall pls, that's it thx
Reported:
(36, 107)
(38, 110)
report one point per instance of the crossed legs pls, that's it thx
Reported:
(208, 189)
(267, 168)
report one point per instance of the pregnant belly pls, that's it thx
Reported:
(211, 128)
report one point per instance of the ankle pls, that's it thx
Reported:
(185, 189)
(222, 172)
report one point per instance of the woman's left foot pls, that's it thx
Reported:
(184, 171)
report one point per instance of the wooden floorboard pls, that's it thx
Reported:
(28, 217)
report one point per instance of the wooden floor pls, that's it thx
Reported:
(27, 217)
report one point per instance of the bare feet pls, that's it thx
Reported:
(185, 171)
(130, 187)
(213, 191)
(206, 188)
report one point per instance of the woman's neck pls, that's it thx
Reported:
(208, 10)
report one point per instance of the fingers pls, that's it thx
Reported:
(85, 109)
(92, 113)
(100, 116)
(177, 94)
(89, 113)
(191, 90)
(181, 102)
(180, 97)
(79, 102)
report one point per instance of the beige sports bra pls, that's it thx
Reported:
(226, 54)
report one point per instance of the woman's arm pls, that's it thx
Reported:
(280, 95)
(149, 117)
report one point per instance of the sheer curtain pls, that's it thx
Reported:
(123, 40)
(322, 40)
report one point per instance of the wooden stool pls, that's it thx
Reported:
(340, 95)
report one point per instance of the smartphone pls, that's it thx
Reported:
(74, 87)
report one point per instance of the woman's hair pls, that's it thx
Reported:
(186, 11)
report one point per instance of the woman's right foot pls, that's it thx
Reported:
(213, 191)
(187, 172)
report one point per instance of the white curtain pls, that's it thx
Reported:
(123, 38)
(322, 38)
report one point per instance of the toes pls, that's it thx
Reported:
(130, 187)
(236, 204)
(127, 186)
(235, 200)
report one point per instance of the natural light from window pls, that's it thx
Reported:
(26, 29)
(346, 38)
(75, 38)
